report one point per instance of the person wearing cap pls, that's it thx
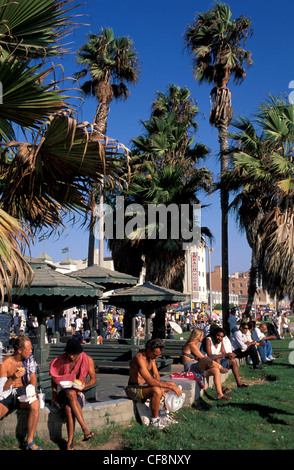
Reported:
(73, 364)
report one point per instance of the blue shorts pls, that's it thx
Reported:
(11, 402)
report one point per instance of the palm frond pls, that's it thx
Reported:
(14, 270)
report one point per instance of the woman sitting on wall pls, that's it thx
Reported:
(195, 361)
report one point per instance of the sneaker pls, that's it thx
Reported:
(257, 366)
(168, 419)
(158, 423)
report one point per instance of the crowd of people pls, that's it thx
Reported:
(209, 351)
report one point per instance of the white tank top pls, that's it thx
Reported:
(215, 349)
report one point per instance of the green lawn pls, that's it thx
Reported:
(260, 417)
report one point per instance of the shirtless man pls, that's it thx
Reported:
(16, 372)
(145, 382)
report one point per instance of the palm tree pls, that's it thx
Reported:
(164, 172)
(113, 65)
(217, 45)
(26, 101)
(263, 167)
(251, 202)
(34, 29)
(50, 175)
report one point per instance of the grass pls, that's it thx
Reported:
(260, 417)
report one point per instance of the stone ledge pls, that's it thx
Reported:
(97, 415)
(51, 424)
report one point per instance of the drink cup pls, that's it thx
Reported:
(42, 400)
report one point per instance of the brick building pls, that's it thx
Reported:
(238, 285)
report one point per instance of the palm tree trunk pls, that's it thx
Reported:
(252, 284)
(220, 116)
(91, 246)
(101, 118)
(225, 258)
(224, 195)
(100, 122)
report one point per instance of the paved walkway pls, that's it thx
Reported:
(112, 382)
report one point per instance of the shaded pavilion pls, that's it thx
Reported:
(107, 278)
(51, 292)
(148, 298)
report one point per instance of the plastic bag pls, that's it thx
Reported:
(173, 401)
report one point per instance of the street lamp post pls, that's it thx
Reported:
(210, 250)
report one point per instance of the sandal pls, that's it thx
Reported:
(224, 397)
(88, 436)
(31, 444)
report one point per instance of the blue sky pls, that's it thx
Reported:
(156, 28)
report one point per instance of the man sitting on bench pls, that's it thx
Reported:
(145, 382)
(73, 365)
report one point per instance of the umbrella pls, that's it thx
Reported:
(176, 327)
(215, 316)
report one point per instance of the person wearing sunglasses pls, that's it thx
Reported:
(242, 347)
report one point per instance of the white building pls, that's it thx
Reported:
(195, 276)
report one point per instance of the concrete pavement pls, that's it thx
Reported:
(112, 381)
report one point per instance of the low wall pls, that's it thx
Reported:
(51, 424)
(97, 415)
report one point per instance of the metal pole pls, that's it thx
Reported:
(101, 239)
(210, 288)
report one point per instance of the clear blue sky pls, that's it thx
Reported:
(156, 28)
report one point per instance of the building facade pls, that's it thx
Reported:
(195, 285)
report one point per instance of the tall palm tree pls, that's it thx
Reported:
(165, 170)
(113, 65)
(251, 203)
(217, 43)
(263, 168)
